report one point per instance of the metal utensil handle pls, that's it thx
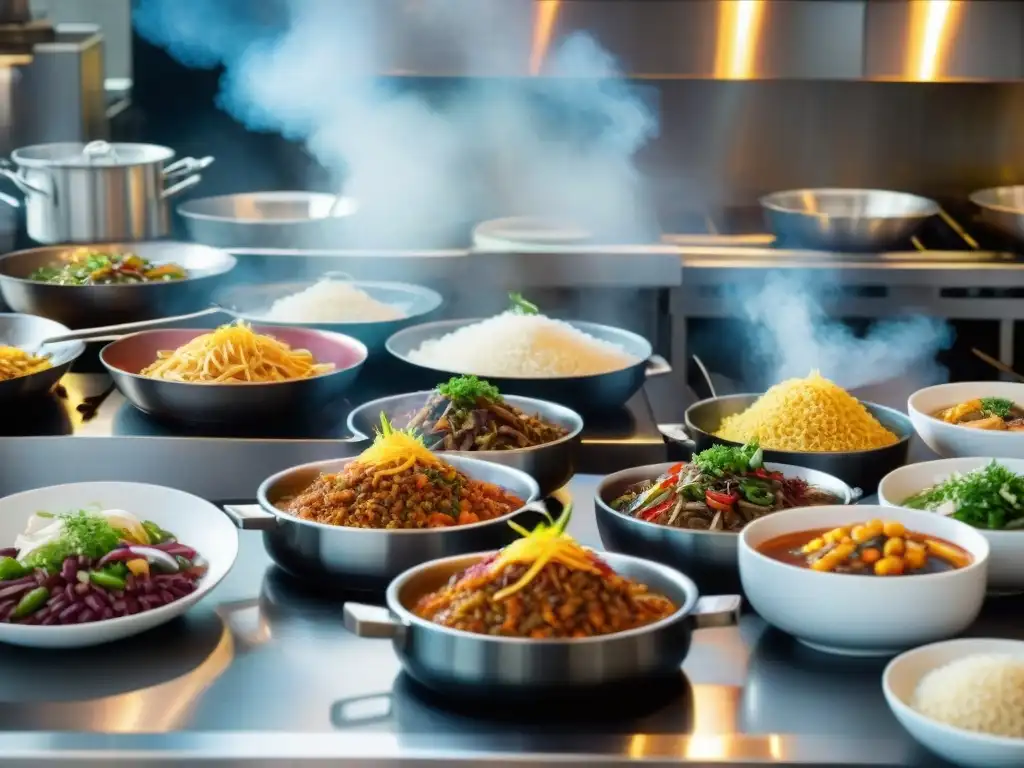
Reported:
(657, 366)
(372, 621)
(717, 611)
(97, 150)
(707, 376)
(85, 334)
(11, 201)
(250, 517)
(181, 186)
(678, 434)
(186, 166)
(7, 169)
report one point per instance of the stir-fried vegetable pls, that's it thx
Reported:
(85, 266)
(989, 497)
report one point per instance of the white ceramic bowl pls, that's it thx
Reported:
(195, 523)
(1006, 559)
(862, 615)
(953, 441)
(900, 679)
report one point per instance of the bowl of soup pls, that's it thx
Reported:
(864, 580)
(970, 418)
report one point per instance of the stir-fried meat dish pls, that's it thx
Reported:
(995, 413)
(543, 586)
(468, 414)
(722, 489)
(398, 483)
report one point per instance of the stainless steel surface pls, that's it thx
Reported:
(1002, 208)
(252, 302)
(269, 220)
(458, 663)
(31, 333)
(551, 464)
(364, 558)
(313, 694)
(859, 469)
(96, 192)
(707, 557)
(583, 393)
(844, 220)
(78, 306)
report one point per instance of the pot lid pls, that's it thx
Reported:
(96, 153)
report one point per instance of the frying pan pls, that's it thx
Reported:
(30, 333)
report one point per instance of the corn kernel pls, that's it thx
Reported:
(846, 540)
(842, 552)
(894, 548)
(813, 545)
(875, 527)
(893, 528)
(860, 534)
(870, 555)
(889, 566)
(825, 563)
(915, 558)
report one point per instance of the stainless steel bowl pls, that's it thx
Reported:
(86, 306)
(268, 220)
(551, 464)
(708, 557)
(1002, 208)
(252, 302)
(463, 663)
(27, 332)
(852, 220)
(367, 559)
(586, 394)
(240, 403)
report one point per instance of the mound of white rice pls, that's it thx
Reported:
(521, 346)
(331, 301)
(983, 693)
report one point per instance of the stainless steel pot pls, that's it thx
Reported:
(99, 192)
(364, 558)
(710, 558)
(586, 394)
(551, 464)
(463, 663)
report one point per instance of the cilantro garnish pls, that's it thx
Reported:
(996, 406)
(721, 460)
(989, 497)
(466, 390)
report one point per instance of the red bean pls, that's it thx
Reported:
(108, 613)
(6, 607)
(53, 618)
(9, 552)
(81, 589)
(94, 602)
(69, 568)
(86, 615)
(69, 614)
(69, 590)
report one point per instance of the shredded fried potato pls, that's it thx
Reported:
(235, 354)
(16, 362)
(807, 415)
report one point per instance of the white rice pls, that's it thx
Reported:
(331, 301)
(522, 346)
(983, 693)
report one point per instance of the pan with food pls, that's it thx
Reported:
(541, 617)
(27, 365)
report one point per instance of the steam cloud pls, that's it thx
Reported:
(422, 164)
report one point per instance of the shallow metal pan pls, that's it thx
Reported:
(85, 306)
(252, 302)
(551, 464)
(458, 663)
(586, 394)
(1002, 208)
(28, 332)
(852, 220)
(367, 559)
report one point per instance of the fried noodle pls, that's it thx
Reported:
(15, 362)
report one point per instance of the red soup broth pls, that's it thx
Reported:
(872, 548)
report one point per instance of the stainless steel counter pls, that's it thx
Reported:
(263, 673)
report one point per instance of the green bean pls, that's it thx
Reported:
(106, 580)
(12, 569)
(31, 603)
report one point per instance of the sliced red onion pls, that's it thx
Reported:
(124, 553)
(157, 557)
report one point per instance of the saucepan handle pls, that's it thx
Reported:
(250, 517)
(856, 494)
(677, 433)
(717, 611)
(7, 169)
(657, 366)
(372, 621)
(345, 713)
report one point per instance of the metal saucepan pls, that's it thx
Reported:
(551, 464)
(237, 403)
(1002, 208)
(463, 663)
(367, 559)
(858, 469)
(710, 558)
(851, 220)
(84, 306)
(252, 302)
(587, 394)
(30, 333)
(268, 219)
(99, 192)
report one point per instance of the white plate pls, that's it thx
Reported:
(900, 679)
(1006, 559)
(194, 522)
(952, 441)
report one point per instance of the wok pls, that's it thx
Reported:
(85, 306)
(551, 464)
(252, 302)
(851, 220)
(858, 469)
(710, 558)
(459, 663)
(365, 558)
(29, 332)
(588, 394)
(1002, 208)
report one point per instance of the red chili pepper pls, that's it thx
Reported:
(766, 475)
(721, 498)
(657, 509)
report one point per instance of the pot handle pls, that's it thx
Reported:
(372, 621)
(717, 611)
(7, 169)
(856, 494)
(186, 166)
(677, 433)
(250, 517)
(657, 366)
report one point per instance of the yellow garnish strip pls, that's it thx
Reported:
(543, 546)
(396, 447)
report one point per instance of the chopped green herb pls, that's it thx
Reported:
(996, 406)
(84, 533)
(720, 460)
(521, 306)
(991, 497)
(466, 390)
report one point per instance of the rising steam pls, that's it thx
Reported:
(560, 147)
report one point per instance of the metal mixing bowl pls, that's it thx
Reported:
(1002, 208)
(27, 331)
(851, 220)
